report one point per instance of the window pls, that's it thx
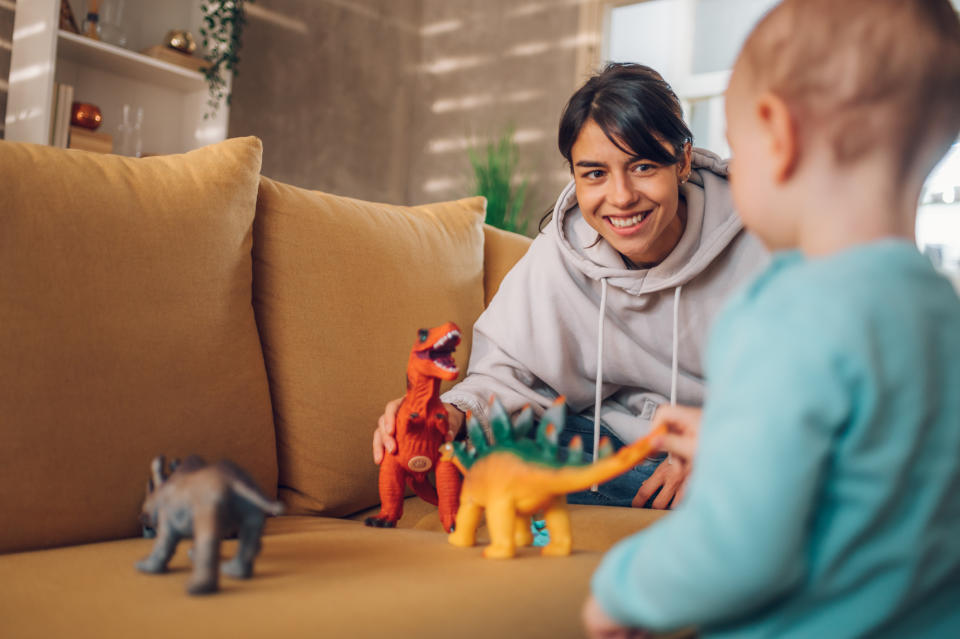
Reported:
(693, 44)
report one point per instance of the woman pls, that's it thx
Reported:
(611, 305)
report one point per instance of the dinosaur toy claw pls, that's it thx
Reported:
(379, 522)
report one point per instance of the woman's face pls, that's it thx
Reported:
(631, 202)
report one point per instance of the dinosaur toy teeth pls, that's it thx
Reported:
(445, 344)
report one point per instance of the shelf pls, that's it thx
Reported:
(107, 57)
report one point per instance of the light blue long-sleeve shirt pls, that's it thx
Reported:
(825, 497)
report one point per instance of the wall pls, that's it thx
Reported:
(379, 99)
(329, 86)
(487, 64)
(7, 9)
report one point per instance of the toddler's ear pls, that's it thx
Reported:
(780, 133)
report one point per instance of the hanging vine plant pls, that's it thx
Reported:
(221, 30)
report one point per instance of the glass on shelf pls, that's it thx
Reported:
(111, 22)
(129, 139)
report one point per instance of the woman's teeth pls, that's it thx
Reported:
(624, 222)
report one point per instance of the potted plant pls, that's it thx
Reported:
(221, 31)
(494, 168)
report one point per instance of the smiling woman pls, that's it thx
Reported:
(624, 137)
(594, 310)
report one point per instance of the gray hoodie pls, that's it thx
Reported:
(571, 319)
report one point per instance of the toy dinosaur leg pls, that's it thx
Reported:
(241, 566)
(557, 518)
(391, 483)
(163, 549)
(206, 551)
(501, 521)
(465, 532)
(522, 535)
(448, 493)
(424, 491)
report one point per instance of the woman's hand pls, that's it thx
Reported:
(383, 436)
(669, 478)
(600, 626)
(680, 442)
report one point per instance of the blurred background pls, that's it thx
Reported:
(400, 101)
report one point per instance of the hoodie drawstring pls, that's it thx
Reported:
(676, 348)
(598, 397)
(674, 366)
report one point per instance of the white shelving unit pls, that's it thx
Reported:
(173, 98)
(128, 64)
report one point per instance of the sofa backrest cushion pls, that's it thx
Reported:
(341, 287)
(501, 251)
(126, 331)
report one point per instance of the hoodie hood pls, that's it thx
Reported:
(712, 223)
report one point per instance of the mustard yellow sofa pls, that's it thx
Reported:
(185, 304)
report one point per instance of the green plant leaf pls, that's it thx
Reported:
(494, 168)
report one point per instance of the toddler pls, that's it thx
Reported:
(825, 499)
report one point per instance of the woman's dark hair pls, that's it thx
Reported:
(634, 106)
(636, 109)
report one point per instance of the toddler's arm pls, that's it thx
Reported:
(738, 540)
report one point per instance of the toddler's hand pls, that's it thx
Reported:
(600, 626)
(683, 431)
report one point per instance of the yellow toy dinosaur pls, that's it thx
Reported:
(517, 477)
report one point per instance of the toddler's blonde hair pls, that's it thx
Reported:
(864, 75)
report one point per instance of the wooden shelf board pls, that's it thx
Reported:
(120, 61)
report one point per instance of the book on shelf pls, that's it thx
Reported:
(185, 60)
(60, 110)
(87, 140)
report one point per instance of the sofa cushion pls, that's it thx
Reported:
(127, 331)
(341, 287)
(501, 251)
(315, 577)
(594, 527)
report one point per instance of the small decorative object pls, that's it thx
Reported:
(517, 477)
(67, 21)
(223, 22)
(421, 427)
(91, 26)
(180, 40)
(85, 115)
(206, 503)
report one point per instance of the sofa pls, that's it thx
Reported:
(186, 304)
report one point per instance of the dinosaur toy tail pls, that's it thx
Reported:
(572, 479)
(254, 497)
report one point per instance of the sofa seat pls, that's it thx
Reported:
(315, 576)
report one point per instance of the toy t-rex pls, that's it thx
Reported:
(517, 477)
(207, 503)
(421, 428)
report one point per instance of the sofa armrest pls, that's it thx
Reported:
(501, 250)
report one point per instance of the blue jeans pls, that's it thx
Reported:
(619, 491)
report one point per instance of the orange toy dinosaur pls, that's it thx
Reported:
(421, 429)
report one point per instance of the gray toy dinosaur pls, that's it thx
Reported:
(207, 503)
